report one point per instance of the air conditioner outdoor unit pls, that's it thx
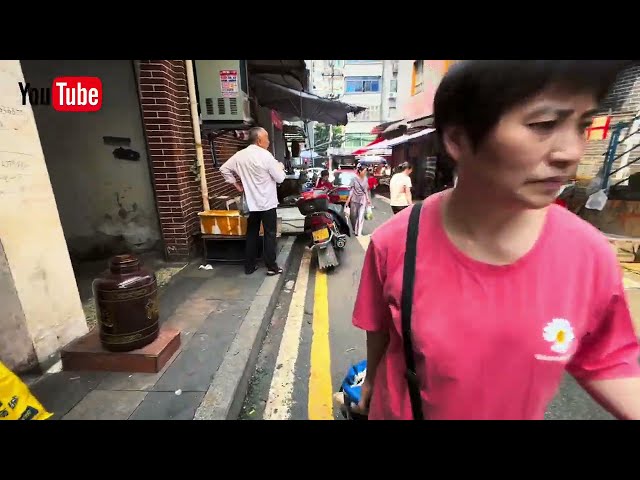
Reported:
(393, 94)
(223, 90)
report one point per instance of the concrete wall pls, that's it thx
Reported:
(363, 69)
(421, 104)
(405, 69)
(35, 260)
(106, 205)
(16, 347)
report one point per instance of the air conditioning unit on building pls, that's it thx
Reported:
(223, 90)
(393, 94)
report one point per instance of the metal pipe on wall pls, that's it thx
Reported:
(195, 120)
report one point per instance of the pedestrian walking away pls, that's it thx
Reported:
(502, 304)
(259, 173)
(400, 188)
(358, 199)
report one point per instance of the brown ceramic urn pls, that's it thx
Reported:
(126, 298)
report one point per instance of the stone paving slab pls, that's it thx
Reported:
(168, 406)
(106, 405)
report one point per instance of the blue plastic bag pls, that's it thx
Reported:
(352, 383)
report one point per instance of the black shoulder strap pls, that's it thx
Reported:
(406, 309)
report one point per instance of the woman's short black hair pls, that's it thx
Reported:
(403, 166)
(474, 94)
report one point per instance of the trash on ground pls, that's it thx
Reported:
(179, 392)
(205, 267)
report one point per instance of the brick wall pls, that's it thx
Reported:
(623, 102)
(164, 98)
(225, 144)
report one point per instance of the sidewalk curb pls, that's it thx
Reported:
(225, 395)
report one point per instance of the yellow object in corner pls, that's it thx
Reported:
(16, 400)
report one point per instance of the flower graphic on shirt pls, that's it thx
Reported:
(559, 332)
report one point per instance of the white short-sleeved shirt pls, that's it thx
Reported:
(396, 191)
(259, 172)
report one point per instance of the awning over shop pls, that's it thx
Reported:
(394, 129)
(378, 129)
(362, 150)
(295, 103)
(399, 140)
(290, 73)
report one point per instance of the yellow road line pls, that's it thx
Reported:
(281, 390)
(364, 241)
(320, 389)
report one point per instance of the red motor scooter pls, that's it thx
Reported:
(326, 224)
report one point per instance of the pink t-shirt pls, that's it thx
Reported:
(492, 342)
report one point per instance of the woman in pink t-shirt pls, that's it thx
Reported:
(510, 289)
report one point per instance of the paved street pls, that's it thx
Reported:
(311, 343)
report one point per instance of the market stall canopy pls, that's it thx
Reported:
(400, 140)
(292, 102)
(405, 126)
(290, 73)
(361, 150)
(378, 129)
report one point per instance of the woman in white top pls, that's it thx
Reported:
(400, 188)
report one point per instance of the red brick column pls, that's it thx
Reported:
(164, 97)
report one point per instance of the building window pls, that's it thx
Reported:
(362, 84)
(359, 62)
(418, 77)
(357, 140)
(394, 85)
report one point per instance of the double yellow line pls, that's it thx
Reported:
(320, 405)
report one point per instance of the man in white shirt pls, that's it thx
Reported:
(259, 173)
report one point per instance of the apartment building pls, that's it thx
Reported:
(369, 83)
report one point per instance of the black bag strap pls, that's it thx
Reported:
(406, 307)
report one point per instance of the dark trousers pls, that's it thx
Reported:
(269, 220)
(398, 209)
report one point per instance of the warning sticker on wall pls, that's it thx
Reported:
(229, 83)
